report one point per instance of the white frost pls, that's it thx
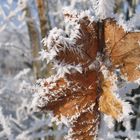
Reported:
(104, 8)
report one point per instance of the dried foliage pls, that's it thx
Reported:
(123, 48)
(76, 97)
(80, 97)
(108, 103)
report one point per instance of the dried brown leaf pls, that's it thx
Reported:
(123, 49)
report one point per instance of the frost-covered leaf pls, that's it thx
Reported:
(75, 96)
(123, 49)
(108, 103)
(74, 46)
(74, 101)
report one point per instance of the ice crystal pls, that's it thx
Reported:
(104, 8)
